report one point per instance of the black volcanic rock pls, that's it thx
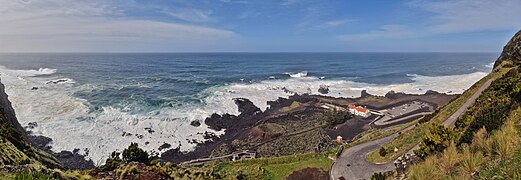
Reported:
(432, 92)
(40, 142)
(511, 51)
(364, 94)
(73, 160)
(218, 122)
(164, 146)
(323, 89)
(246, 107)
(195, 123)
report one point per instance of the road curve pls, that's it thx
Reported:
(352, 163)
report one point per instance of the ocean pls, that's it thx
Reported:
(88, 101)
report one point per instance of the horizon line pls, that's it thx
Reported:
(238, 52)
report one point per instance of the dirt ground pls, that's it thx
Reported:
(309, 173)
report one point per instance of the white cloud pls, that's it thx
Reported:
(96, 25)
(472, 15)
(451, 17)
(191, 15)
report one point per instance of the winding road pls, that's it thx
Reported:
(352, 163)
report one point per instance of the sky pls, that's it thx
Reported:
(257, 25)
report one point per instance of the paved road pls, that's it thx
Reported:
(450, 122)
(360, 168)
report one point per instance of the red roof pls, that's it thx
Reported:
(361, 109)
(351, 106)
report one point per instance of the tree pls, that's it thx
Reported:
(113, 161)
(134, 153)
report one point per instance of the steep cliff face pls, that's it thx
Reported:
(511, 51)
(8, 112)
(14, 146)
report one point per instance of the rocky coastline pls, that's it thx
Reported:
(289, 126)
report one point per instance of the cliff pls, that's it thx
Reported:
(511, 51)
(14, 146)
(8, 112)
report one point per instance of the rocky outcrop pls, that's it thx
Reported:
(511, 51)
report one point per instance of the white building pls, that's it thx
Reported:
(358, 111)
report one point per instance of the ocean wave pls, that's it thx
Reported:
(491, 65)
(28, 73)
(297, 75)
(61, 81)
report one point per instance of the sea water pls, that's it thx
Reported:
(88, 101)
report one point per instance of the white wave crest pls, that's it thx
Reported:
(28, 73)
(298, 75)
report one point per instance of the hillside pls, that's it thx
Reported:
(511, 51)
(486, 142)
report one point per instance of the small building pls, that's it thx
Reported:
(246, 154)
(359, 111)
(332, 107)
(339, 139)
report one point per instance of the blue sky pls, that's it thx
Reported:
(257, 26)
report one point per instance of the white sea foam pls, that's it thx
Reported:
(491, 65)
(28, 73)
(261, 92)
(298, 75)
(67, 120)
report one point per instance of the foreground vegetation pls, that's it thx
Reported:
(490, 155)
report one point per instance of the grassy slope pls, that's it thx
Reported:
(499, 157)
(409, 139)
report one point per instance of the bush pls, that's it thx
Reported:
(378, 176)
(436, 139)
(337, 117)
(383, 151)
(113, 162)
(135, 154)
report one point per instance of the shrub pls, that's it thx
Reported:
(427, 170)
(113, 162)
(436, 139)
(382, 151)
(135, 154)
(378, 176)
(336, 117)
(450, 157)
(470, 163)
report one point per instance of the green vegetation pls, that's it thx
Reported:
(273, 168)
(131, 154)
(494, 155)
(436, 139)
(135, 154)
(378, 176)
(34, 175)
(492, 106)
(382, 151)
(337, 117)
